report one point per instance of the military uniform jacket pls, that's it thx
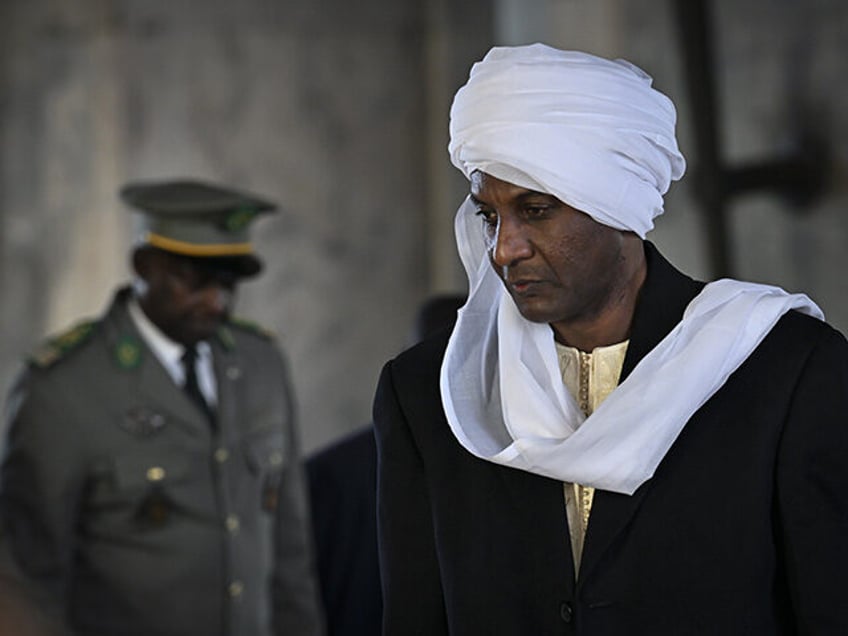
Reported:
(137, 514)
(741, 531)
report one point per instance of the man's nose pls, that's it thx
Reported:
(511, 243)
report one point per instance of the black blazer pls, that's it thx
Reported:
(742, 530)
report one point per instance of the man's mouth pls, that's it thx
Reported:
(524, 285)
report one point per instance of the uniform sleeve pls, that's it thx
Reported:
(41, 482)
(296, 606)
(812, 487)
(413, 602)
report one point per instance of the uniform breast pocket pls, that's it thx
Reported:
(265, 454)
(149, 486)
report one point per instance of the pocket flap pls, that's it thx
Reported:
(266, 451)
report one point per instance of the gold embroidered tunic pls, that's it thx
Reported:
(590, 378)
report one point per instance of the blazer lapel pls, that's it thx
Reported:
(541, 501)
(662, 301)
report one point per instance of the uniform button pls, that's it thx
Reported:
(565, 612)
(235, 589)
(155, 473)
(232, 523)
(221, 455)
(157, 421)
(233, 373)
(275, 458)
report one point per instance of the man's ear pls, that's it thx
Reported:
(142, 258)
(147, 265)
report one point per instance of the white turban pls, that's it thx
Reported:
(590, 131)
(594, 134)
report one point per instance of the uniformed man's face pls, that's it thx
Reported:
(187, 298)
(559, 265)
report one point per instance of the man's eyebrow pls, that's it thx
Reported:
(529, 194)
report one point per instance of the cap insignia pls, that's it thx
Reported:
(239, 218)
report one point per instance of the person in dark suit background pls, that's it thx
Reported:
(604, 446)
(342, 481)
(151, 482)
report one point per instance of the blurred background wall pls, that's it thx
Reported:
(338, 111)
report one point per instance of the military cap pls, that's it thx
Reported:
(198, 219)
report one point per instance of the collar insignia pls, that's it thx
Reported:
(128, 353)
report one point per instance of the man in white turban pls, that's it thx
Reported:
(603, 445)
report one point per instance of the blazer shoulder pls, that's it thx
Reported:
(413, 377)
(798, 329)
(794, 343)
(424, 358)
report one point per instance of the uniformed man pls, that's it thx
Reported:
(150, 483)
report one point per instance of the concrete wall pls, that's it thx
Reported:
(336, 110)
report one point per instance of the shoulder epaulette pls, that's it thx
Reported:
(252, 327)
(57, 347)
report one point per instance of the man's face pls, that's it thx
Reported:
(187, 298)
(559, 265)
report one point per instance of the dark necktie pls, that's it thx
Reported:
(191, 386)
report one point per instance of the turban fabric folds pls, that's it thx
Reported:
(590, 131)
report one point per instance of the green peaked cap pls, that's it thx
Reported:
(199, 219)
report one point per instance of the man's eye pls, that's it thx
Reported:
(535, 211)
(489, 217)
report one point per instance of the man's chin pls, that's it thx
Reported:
(206, 330)
(534, 311)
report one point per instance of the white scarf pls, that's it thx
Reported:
(505, 400)
(500, 381)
